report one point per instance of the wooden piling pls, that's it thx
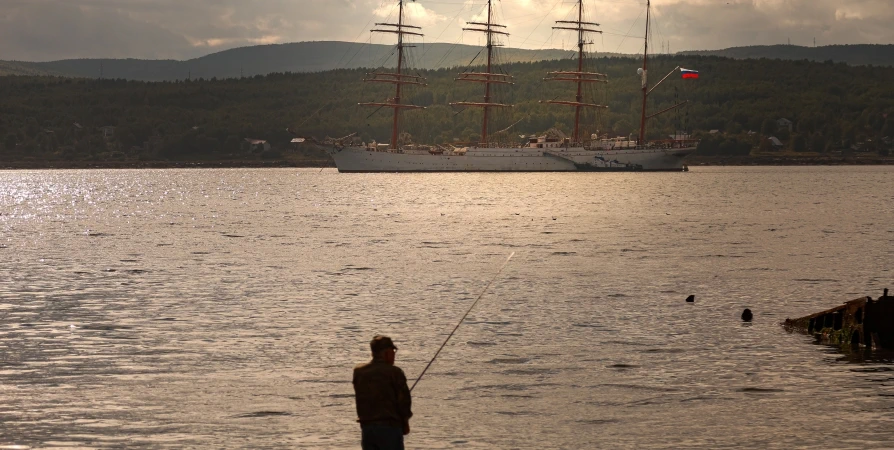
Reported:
(862, 322)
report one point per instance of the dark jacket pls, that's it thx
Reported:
(382, 394)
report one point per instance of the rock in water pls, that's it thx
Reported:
(690, 299)
(746, 315)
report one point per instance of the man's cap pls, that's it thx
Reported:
(380, 343)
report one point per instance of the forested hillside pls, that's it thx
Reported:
(832, 106)
(18, 68)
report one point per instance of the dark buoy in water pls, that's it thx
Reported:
(690, 299)
(746, 315)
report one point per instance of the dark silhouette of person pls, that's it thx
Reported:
(746, 315)
(383, 398)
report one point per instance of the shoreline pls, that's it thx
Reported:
(763, 160)
(234, 164)
(790, 160)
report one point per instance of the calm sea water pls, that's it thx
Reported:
(226, 308)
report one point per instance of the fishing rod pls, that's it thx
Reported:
(462, 320)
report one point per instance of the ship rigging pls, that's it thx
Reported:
(643, 73)
(551, 152)
(398, 77)
(579, 77)
(488, 77)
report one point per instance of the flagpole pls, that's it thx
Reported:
(662, 80)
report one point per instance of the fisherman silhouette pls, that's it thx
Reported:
(382, 398)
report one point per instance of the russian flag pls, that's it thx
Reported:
(689, 73)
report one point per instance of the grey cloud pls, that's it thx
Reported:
(54, 30)
(694, 25)
(39, 30)
(180, 29)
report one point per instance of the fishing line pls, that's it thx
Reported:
(462, 320)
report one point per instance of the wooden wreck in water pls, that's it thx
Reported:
(860, 322)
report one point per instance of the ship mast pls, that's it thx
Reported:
(643, 72)
(398, 78)
(487, 77)
(642, 123)
(580, 77)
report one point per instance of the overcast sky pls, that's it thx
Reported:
(43, 30)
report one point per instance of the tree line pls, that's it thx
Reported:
(832, 106)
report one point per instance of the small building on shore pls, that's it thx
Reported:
(257, 145)
(775, 142)
(785, 123)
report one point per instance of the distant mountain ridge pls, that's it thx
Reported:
(321, 56)
(854, 55)
(265, 59)
(22, 68)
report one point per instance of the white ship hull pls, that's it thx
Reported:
(521, 159)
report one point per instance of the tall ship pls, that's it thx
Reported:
(551, 152)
